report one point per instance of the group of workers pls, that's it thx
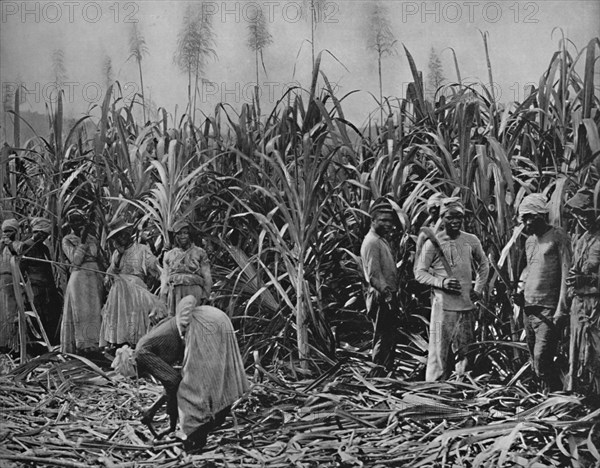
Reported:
(175, 326)
(559, 285)
(561, 280)
(92, 319)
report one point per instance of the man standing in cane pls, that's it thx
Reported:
(381, 275)
(446, 264)
(548, 251)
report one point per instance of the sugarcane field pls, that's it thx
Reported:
(335, 234)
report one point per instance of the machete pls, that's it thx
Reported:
(434, 241)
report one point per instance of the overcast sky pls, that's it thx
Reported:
(521, 43)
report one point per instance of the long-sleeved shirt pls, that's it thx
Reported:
(548, 262)
(186, 267)
(163, 341)
(137, 260)
(461, 254)
(80, 256)
(378, 263)
(6, 253)
(39, 273)
(159, 350)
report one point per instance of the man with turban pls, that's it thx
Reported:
(548, 253)
(9, 246)
(41, 277)
(584, 291)
(446, 264)
(379, 268)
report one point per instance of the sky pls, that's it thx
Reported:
(522, 36)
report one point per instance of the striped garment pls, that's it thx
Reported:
(213, 375)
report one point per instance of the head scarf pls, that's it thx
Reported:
(183, 313)
(435, 200)
(583, 200)
(381, 205)
(534, 204)
(41, 225)
(10, 223)
(452, 204)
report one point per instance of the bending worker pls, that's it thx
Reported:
(212, 374)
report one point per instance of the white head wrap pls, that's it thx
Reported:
(41, 224)
(10, 223)
(533, 204)
(452, 203)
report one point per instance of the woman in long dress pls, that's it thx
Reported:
(80, 327)
(584, 290)
(9, 246)
(130, 306)
(186, 270)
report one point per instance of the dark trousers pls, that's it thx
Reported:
(542, 341)
(383, 315)
(48, 304)
(150, 364)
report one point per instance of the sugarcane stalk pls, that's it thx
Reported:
(30, 297)
(43, 461)
(16, 273)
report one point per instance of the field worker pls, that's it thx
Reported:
(9, 246)
(446, 264)
(379, 268)
(213, 375)
(186, 270)
(130, 306)
(156, 354)
(46, 299)
(212, 372)
(548, 255)
(84, 295)
(584, 290)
